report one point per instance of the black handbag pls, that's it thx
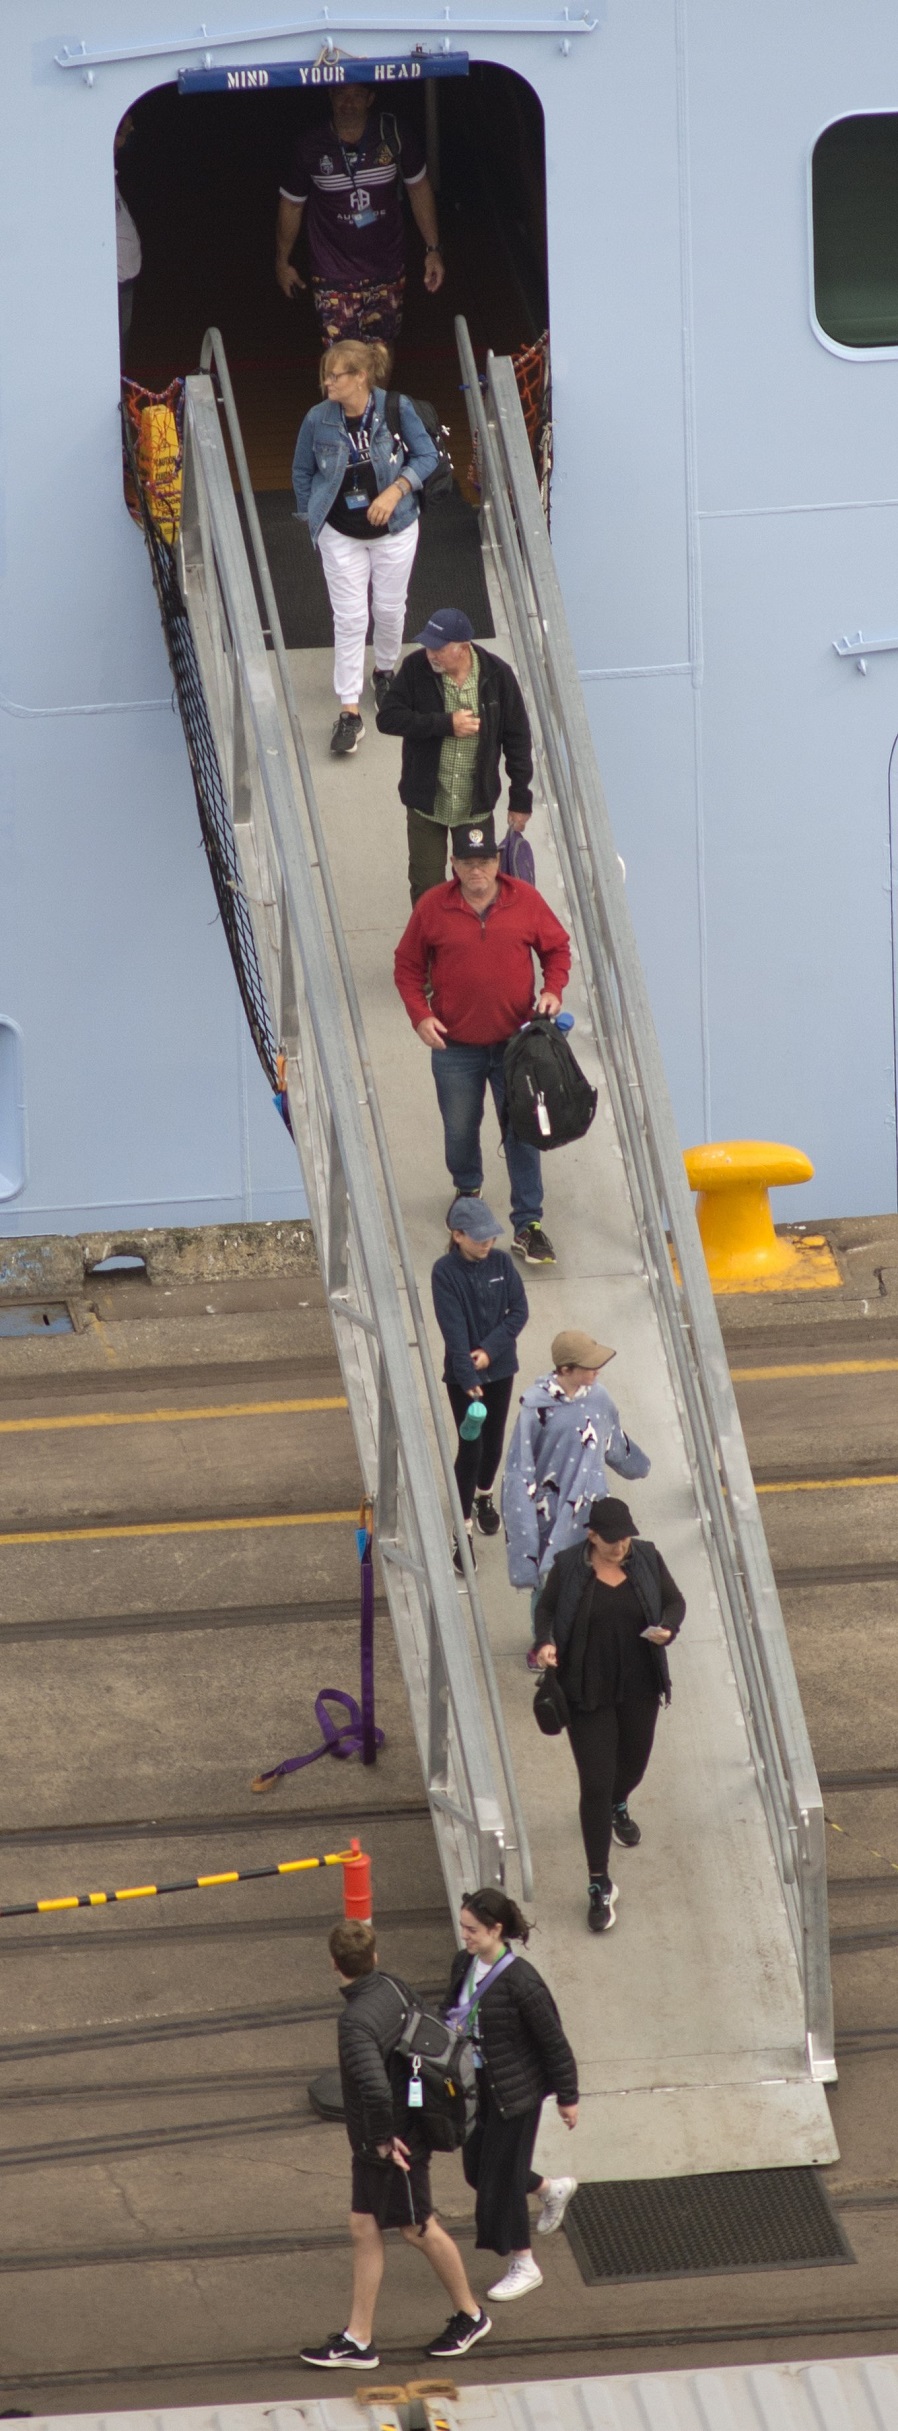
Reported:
(550, 1706)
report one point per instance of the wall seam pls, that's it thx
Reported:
(693, 536)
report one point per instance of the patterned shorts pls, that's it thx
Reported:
(359, 312)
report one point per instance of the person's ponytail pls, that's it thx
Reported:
(380, 363)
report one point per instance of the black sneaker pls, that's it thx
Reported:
(347, 734)
(456, 1555)
(339, 2353)
(460, 2333)
(461, 1194)
(486, 1515)
(602, 1904)
(534, 1246)
(623, 1826)
(380, 685)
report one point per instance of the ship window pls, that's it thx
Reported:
(854, 180)
(12, 1111)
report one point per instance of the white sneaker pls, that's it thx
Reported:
(522, 2275)
(554, 2205)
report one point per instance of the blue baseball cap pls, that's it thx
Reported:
(474, 1217)
(445, 625)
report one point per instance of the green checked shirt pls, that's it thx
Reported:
(458, 755)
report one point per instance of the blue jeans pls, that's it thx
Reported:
(460, 1074)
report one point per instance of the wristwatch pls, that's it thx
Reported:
(434, 249)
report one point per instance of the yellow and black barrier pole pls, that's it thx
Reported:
(356, 1885)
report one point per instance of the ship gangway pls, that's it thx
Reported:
(703, 2024)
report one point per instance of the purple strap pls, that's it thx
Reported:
(358, 1734)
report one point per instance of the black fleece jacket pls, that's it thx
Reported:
(526, 2053)
(376, 2007)
(648, 1573)
(415, 708)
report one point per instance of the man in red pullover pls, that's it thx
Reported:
(471, 945)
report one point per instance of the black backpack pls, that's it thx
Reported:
(441, 2060)
(550, 1100)
(440, 483)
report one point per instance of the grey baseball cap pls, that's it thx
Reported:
(474, 1217)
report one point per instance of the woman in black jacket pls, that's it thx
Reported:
(608, 1610)
(521, 2053)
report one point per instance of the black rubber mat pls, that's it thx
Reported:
(731, 2220)
(448, 570)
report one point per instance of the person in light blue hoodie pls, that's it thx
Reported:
(568, 1428)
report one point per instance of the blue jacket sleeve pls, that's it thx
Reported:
(451, 1316)
(501, 1336)
(519, 1503)
(622, 1453)
(421, 457)
(304, 466)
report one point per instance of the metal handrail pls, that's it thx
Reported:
(662, 1204)
(213, 354)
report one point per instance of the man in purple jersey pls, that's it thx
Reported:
(347, 172)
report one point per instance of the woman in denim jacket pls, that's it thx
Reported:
(357, 487)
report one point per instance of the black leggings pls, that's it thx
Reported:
(611, 1750)
(496, 2160)
(476, 1462)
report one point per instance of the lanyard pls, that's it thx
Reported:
(350, 172)
(359, 441)
(470, 2001)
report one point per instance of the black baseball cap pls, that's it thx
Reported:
(475, 843)
(611, 1520)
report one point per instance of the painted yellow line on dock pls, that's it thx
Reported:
(822, 1367)
(178, 1527)
(157, 1418)
(821, 1485)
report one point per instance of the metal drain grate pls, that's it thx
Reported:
(731, 2220)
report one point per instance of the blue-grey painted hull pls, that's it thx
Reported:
(725, 506)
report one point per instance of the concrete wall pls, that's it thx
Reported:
(725, 504)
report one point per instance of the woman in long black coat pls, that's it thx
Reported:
(522, 2053)
(607, 1612)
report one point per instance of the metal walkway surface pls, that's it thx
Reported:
(703, 2025)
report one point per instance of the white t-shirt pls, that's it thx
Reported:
(472, 1982)
(127, 241)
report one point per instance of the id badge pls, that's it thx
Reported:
(364, 219)
(356, 500)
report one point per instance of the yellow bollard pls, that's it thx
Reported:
(742, 1250)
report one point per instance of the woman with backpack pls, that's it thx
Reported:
(606, 1614)
(358, 485)
(521, 2054)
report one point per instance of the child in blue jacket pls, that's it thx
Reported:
(481, 1307)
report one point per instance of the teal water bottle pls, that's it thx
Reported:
(472, 1421)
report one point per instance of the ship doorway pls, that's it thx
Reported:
(200, 178)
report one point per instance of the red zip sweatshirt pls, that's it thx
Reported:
(479, 964)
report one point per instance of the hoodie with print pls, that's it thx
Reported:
(556, 1468)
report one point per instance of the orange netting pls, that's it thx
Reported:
(531, 371)
(156, 419)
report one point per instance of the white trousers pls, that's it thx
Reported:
(351, 569)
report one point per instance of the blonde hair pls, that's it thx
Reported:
(372, 363)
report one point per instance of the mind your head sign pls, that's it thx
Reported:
(410, 70)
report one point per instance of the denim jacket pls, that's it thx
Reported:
(322, 456)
